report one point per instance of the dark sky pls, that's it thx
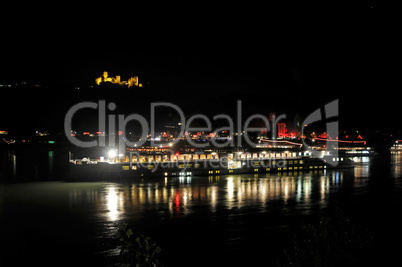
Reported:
(290, 62)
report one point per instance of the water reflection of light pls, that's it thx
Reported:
(230, 187)
(51, 161)
(165, 194)
(396, 162)
(336, 179)
(362, 171)
(307, 188)
(230, 190)
(213, 199)
(299, 189)
(156, 194)
(323, 187)
(259, 191)
(141, 195)
(185, 197)
(286, 193)
(113, 202)
(179, 197)
(177, 202)
(263, 192)
(14, 162)
(149, 198)
(184, 179)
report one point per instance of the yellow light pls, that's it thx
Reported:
(132, 81)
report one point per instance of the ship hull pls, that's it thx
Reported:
(116, 171)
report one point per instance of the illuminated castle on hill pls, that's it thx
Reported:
(132, 81)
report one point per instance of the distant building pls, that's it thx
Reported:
(38, 133)
(281, 130)
(132, 81)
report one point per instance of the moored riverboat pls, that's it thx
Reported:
(194, 164)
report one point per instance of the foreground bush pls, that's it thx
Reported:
(136, 250)
(333, 241)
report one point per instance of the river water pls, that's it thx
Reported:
(213, 220)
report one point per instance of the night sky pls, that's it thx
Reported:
(204, 63)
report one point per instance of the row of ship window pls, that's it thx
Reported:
(194, 157)
(255, 170)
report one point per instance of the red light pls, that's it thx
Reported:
(292, 135)
(324, 135)
(281, 129)
(120, 132)
(86, 133)
(177, 200)
(343, 141)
